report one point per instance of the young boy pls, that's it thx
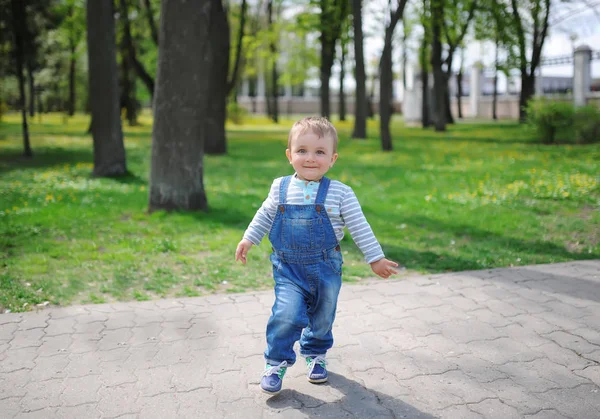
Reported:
(305, 215)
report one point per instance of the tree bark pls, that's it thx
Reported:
(137, 65)
(342, 94)
(495, 93)
(360, 104)
(425, 117)
(386, 79)
(109, 150)
(184, 76)
(20, 32)
(72, 69)
(215, 140)
(31, 80)
(459, 91)
(151, 22)
(238, 51)
(439, 84)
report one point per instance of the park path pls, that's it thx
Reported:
(504, 343)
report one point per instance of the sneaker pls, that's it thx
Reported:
(317, 369)
(273, 378)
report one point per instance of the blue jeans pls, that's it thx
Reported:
(305, 303)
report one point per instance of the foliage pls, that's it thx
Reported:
(587, 124)
(560, 122)
(553, 121)
(236, 113)
(479, 196)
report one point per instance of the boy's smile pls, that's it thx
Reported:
(311, 156)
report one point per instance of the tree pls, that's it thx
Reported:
(536, 18)
(109, 151)
(73, 32)
(439, 84)
(387, 76)
(185, 73)
(333, 13)
(20, 33)
(139, 68)
(424, 53)
(450, 22)
(360, 101)
(215, 140)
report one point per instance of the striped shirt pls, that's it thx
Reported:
(342, 207)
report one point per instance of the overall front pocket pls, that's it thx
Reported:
(302, 233)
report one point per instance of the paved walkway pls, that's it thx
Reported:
(504, 343)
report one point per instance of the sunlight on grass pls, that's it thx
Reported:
(481, 195)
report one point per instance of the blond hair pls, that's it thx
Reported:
(317, 125)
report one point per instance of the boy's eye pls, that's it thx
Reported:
(320, 152)
(302, 151)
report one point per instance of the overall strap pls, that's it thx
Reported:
(322, 193)
(283, 187)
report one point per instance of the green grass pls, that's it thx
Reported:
(481, 195)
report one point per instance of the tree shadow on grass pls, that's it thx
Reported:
(489, 240)
(358, 401)
(42, 158)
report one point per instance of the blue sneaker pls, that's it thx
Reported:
(317, 369)
(272, 378)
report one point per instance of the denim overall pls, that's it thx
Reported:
(307, 268)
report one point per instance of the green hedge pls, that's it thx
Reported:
(561, 122)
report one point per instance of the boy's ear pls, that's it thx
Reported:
(333, 159)
(289, 155)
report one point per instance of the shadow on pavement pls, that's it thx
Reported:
(358, 401)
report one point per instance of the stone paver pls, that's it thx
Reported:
(520, 342)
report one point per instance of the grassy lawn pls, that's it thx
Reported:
(481, 195)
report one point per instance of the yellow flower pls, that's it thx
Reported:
(49, 197)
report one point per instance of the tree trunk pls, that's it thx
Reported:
(425, 106)
(439, 84)
(31, 80)
(495, 94)
(185, 73)
(72, 67)
(449, 117)
(137, 66)
(360, 100)
(459, 91)
(425, 117)
(151, 23)
(326, 63)
(274, 108)
(215, 139)
(109, 151)
(127, 99)
(447, 76)
(385, 94)
(20, 32)
(527, 91)
(342, 94)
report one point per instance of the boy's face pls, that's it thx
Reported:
(311, 156)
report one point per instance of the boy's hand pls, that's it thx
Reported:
(242, 250)
(384, 268)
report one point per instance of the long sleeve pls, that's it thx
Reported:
(263, 219)
(359, 228)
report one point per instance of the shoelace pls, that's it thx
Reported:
(316, 360)
(275, 369)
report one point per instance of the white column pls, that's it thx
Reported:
(582, 79)
(539, 83)
(475, 89)
(260, 85)
(412, 101)
(245, 88)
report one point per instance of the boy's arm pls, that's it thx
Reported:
(260, 224)
(363, 236)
